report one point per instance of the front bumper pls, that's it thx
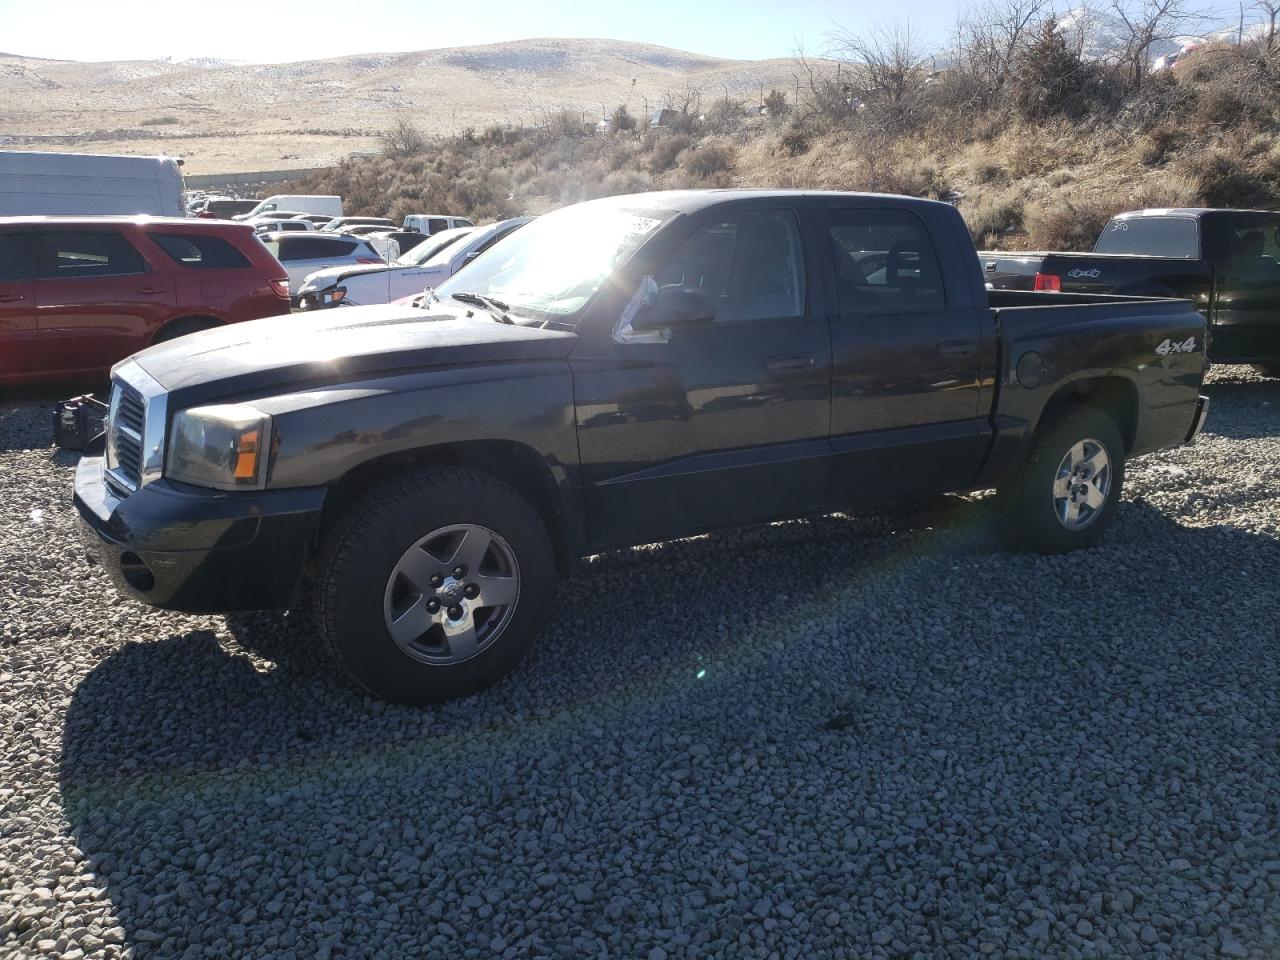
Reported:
(1197, 421)
(201, 551)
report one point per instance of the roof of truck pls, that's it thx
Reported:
(1185, 211)
(138, 219)
(689, 201)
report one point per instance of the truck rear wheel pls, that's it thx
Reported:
(1068, 490)
(434, 584)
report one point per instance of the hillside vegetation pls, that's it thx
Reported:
(1036, 142)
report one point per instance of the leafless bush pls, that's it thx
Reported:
(403, 139)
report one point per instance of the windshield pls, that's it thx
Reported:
(549, 269)
(429, 248)
(1174, 237)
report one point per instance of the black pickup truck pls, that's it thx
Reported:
(1227, 262)
(619, 372)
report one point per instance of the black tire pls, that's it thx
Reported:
(363, 551)
(1268, 369)
(1027, 501)
(183, 327)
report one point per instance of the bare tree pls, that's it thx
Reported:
(403, 139)
(1146, 23)
(991, 34)
(887, 60)
(1271, 11)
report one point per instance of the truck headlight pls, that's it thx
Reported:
(223, 446)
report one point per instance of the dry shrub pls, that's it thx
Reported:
(1159, 144)
(663, 153)
(1068, 226)
(993, 214)
(794, 141)
(708, 160)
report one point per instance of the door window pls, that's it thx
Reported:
(750, 266)
(200, 252)
(885, 263)
(1255, 236)
(13, 256)
(313, 248)
(66, 256)
(435, 225)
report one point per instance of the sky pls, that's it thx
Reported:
(279, 30)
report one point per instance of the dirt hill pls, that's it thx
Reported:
(233, 117)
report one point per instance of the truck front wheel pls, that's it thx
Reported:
(1068, 490)
(433, 585)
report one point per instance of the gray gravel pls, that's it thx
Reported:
(828, 738)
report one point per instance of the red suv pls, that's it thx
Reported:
(79, 293)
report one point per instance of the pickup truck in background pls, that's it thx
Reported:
(618, 372)
(1226, 262)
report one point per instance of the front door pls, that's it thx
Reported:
(906, 365)
(716, 425)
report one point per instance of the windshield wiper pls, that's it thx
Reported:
(496, 308)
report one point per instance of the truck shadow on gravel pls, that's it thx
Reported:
(833, 710)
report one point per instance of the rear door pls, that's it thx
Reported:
(98, 299)
(906, 359)
(304, 254)
(20, 355)
(1247, 318)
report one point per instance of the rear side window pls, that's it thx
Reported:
(200, 252)
(1255, 235)
(436, 224)
(13, 258)
(1177, 238)
(885, 263)
(313, 248)
(86, 254)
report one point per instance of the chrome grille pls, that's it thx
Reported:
(126, 422)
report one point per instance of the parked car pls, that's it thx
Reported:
(223, 208)
(363, 229)
(78, 294)
(302, 254)
(340, 223)
(430, 223)
(621, 371)
(405, 240)
(297, 202)
(1226, 261)
(426, 266)
(86, 184)
(319, 219)
(268, 225)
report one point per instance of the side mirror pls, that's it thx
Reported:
(674, 308)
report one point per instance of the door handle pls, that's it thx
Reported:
(789, 361)
(11, 297)
(958, 348)
(150, 290)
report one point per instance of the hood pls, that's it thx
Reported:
(329, 276)
(287, 352)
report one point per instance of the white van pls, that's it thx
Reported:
(298, 203)
(430, 223)
(88, 184)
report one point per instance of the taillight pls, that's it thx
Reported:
(1048, 282)
(280, 287)
(370, 260)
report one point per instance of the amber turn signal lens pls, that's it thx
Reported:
(247, 456)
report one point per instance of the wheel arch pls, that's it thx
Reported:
(201, 321)
(516, 464)
(1116, 396)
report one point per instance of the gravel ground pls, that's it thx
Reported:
(826, 738)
